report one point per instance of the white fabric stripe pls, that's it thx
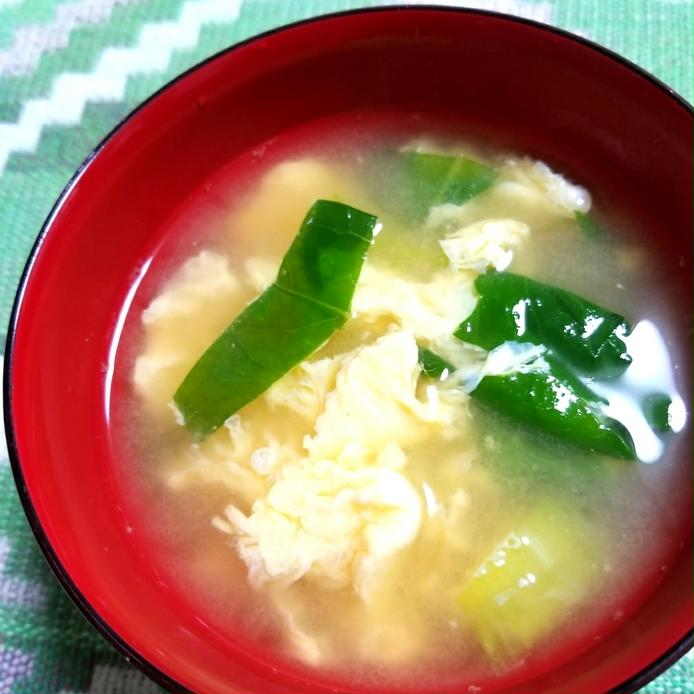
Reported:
(107, 81)
(16, 591)
(15, 665)
(112, 679)
(31, 41)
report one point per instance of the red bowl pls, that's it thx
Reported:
(536, 89)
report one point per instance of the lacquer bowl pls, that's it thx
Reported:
(532, 88)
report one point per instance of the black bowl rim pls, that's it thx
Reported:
(640, 679)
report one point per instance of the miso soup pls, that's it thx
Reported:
(469, 472)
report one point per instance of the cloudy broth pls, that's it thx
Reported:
(414, 613)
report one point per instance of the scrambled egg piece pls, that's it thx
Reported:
(485, 243)
(267, 223)
(527, 191)
(558, 189)
(205, 291)
(305, 388)
(232, 457)
(336, 524)
(374, 403)
(425, 309)
(340, 512)
(261, 271)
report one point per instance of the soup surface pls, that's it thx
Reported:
(361, 519)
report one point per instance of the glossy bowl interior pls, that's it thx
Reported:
(533, 89)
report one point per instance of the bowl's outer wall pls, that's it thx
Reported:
(519, 85)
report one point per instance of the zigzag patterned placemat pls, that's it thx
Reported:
(69, 71)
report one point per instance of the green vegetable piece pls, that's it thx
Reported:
(408, 183)
(536, 575)
(523, 462)
(589, 227)
(513, 307)
(308, 302)
(437, 178)
(433, 365)
(558, 403)
(656, 409)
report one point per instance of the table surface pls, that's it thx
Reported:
(69, 71)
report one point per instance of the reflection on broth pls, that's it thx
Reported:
(390, 525)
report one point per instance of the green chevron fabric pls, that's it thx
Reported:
(69, 71)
